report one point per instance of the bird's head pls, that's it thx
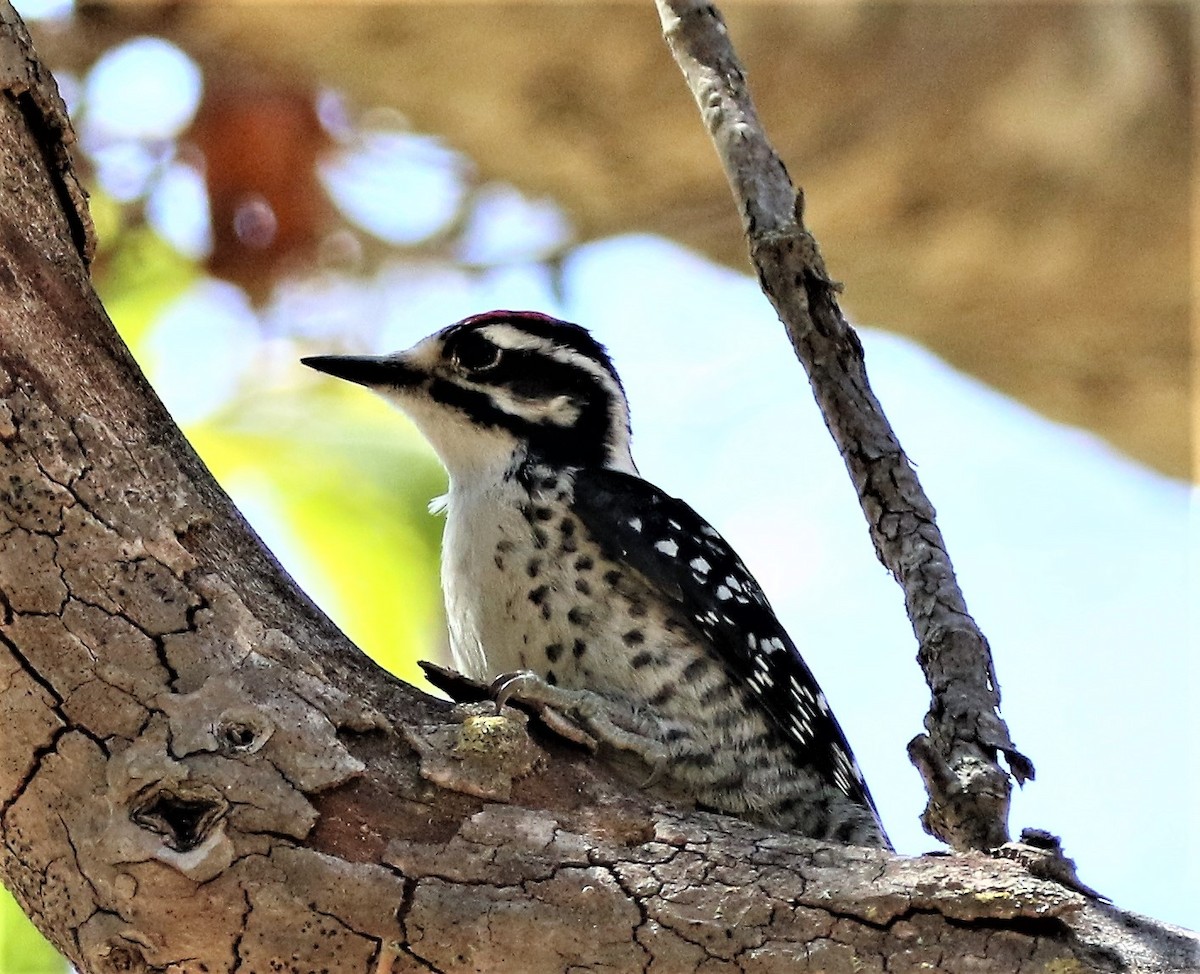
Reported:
(501, 385)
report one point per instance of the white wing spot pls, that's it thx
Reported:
(676, 525)
(763, 672)
(752, 642)
(733, 583)
(700, 566)
(822, 703)
(723, 593)
(635, 523)
(667, 547)
(709, 532)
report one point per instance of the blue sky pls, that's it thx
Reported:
(1073, 559)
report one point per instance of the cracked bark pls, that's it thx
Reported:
(199, 773)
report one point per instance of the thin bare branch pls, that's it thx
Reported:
(968, 789)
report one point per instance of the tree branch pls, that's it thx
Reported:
(199, 773)
(968, 790)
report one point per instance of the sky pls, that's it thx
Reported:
(1073, 559)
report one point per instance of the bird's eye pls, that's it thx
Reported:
(474, 354)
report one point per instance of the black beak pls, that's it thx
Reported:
(367, 370)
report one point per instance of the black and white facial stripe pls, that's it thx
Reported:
(547, 382)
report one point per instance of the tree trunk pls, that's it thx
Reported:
(198, 772)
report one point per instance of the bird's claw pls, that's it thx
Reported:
(549, 703)
(581, 716)
(524, 686)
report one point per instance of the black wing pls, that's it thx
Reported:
(684, 557)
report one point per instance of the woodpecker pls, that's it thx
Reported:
(572, 582)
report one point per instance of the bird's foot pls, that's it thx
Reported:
(582, 716)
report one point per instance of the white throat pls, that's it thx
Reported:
(472, 455)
